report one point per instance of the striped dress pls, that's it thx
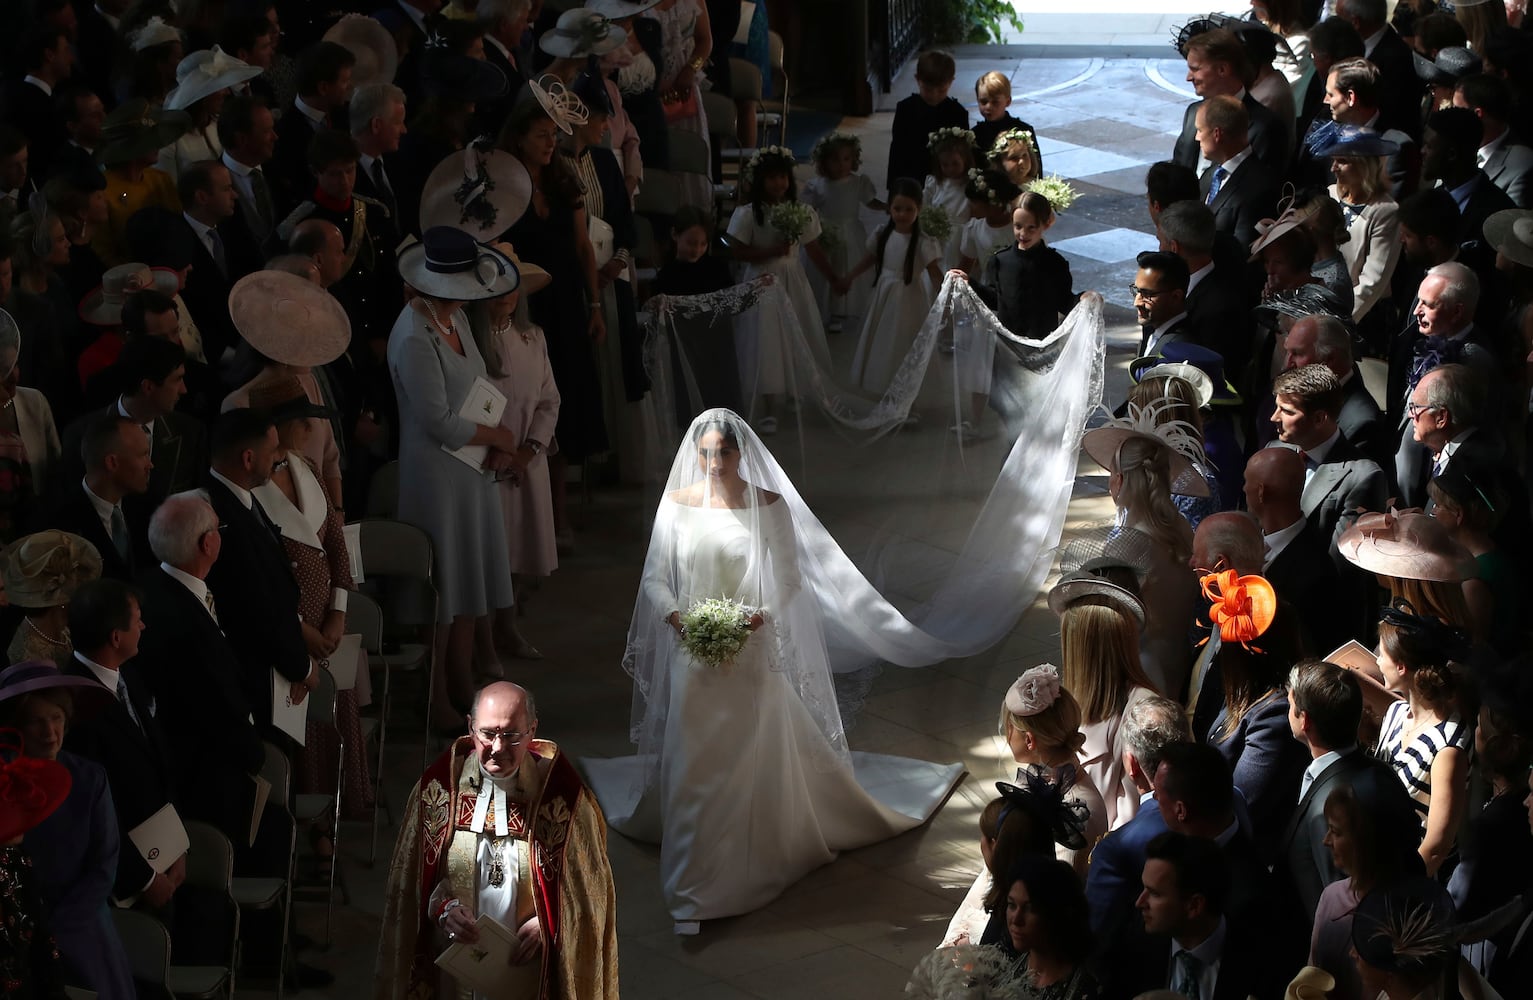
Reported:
(1413, 761)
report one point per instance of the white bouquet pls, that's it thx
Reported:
(715, 630)
(966, 972)
(1056, 189)
(936, 223)
(791, 219)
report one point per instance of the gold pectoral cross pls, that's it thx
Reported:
(497, 876)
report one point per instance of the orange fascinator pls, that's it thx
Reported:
(1243, 606)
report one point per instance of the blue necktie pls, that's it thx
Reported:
(1213, 189)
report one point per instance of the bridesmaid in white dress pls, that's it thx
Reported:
(840, 194)
(743, 773)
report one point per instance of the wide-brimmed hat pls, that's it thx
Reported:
(1510, 231)
(1084, 583)
(582, 32)
(289, 319)
(620, 10)
(1352, 140)
(1310, 299)
(283, 399)
(451, 265)
(481, 191)
(205, 73)
(1104, 443)
(136, 130)
(30, 788)
(1202, 385)
(1450, 66)
(533, 278)
(44, 570)
(451, 74)
(369, 42)
(1409, 545)
(1269, 231)
(103, 306)
(1204, 359)
(24, 678)
(1310, 984)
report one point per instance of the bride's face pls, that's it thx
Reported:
(718, 457)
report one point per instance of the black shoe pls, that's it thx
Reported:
(301, 976)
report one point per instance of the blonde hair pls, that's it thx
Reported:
(1144, 465)
(1176, 399)
(993, 84)
(998, 158)
(1373, 184)
(1058, 726)
(1100, 649)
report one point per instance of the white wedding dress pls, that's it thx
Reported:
(749, 794)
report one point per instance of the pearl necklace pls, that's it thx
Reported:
(447, 329)
(44, 636)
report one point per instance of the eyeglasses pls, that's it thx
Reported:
(1414, 410)
(1148, 294)
(507, 737)
(220, 529)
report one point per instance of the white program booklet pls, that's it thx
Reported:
(353, 532)
(161, 838)
(485, 966)
(285, 715)
(484, 405)
(346, 661)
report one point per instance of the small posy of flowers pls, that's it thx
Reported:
(714, 631)
(1056, 189)
(935, 222)
(831, 140)
(831, 240)
(949, 134)
(791, 219)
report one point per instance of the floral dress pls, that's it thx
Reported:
(29, 960)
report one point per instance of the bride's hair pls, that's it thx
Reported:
(1058, 726)
(1100, 648)
(724, 427)
(1145, 494)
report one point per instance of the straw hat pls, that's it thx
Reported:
(288, 319)
(582, 32)
(1450, 66)
(45, 569)
(1104, 443)
(30, 789)
(1407, 544)
(1310, 984)
(283, 399)
(135, 130)
(103, 306)
(1085, 583)
(534, 278)
(205, 73)
(369, 42)
(620, 10)
(451, 265)
(1510, 231)
(480, 191)
(28, 676)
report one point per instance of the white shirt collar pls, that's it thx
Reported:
(492, 40)
(1489, 149)
(201, 230)
(106, 675)
(1208, 954)
(1199, 275)
(198, 588)
(147, 425)
(365, 162)
(1155, 334)
(42, 85)
(1373, 40)
(1278, 540)
(240, 493)
(1318, 452)
(103, 509)
(1319, 764)
(236, 168)
(1452, 446)
(1233, 163)
(311, 113)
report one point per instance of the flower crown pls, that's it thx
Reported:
(767, 156)
(1035, 691)
(1005, 139)
(831, 140)
(987, 191)
(943, 135)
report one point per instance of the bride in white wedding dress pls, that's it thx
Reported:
(743, 773)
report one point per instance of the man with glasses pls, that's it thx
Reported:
(1160, 301)
(501, 828)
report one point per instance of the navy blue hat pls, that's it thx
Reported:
(592, 91)
(1351, 140)
(1205, 360)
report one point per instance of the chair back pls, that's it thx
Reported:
(277, 770)
(744, 80)
(659, 195)
(210, 858)
(147, 944)
(723, 117)
(322, 700)
(689, 152)
(383, 492)
(365, 618)
(398, 559)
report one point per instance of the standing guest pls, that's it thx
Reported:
(1507, 162)
(516, 359)
(1371, 850)
(686, 41)
(29, 440)
(131, 139)
(1354, 94)
(248, 134)
(1218, 302)
(1329, 41)
(47, 57)
(1325, 340)
(79, 199)
(74, 851)
(1424, 737)
(921, 114)
(1448, 418)
(377, 114)
(1160, 301)
(116, 453)
(39, 244)
(1229, 540)
(1362, 188)
(203, 81)
(1384, 48)
(31, 791)
(1179, 399)
(1403, 941)
(1450, 150)
(435, 363)
(1048, 931)
(1240, 189)
(564, 916)
(1469, 500)
(42, 572)
(324, 91)
(1415, 560)
(504, 23)
(411, 23)
(1099, 625)
(1217, 66)
(1325, 224)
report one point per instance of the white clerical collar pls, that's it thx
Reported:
(1373, 40)
(1278, 540)
(1199, 275)
(199, 588)
(42, 85)
(1318, 452)
(241, 494)
(106, 675)
(491, 790)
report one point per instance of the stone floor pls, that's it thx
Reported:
(857, 927)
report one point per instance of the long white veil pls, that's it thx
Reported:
(956, 596)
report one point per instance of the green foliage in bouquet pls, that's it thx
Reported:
(715, 630)
(936, 223)
(791, 219)
(1056, 189)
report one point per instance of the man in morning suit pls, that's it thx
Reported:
(1197, 797)
(116, 454)
(1217, 65)
(1217, 305)
(324, 91)
(1238, 188)
(377, 123)
(1339, 481)
(1383, 46)
(1505, 159)
(1324, 340)
(257, 592)
(1160, 301)
(126, 739)
(46, 58)
(1450, 150)
(248, 133)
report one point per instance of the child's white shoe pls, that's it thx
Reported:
(767, 425)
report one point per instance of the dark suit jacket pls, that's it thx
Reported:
(914, 120)
(179, 456)
(1400, 95)
(72, 511)
(96, 46)
(257, 597)
(1510, 168)
(1364, 423)
(1246, 197)
(1271, 139)
(1485, 200)
(1347, 481)
(1246, 968)
(1221, 314)
(1113, 881)
(137, 763)
(31, 111)
(162, 238)
(367, 188)
(1179, 331)
(1304, 576)
(195, 674)
(288, 173)
(1267, 764)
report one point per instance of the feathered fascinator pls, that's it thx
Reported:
(967, 972)
(1243, 606)
(1177, 436)
(154, 31)
(1043, 801)
(562, 107)
(1432, 632)
(1407, 927)
(1035, 691)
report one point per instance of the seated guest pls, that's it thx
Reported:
(42, 572)
(1424, 736)
(1371, 849)
(1339, 481)
(260, 603)
(116, 454)
(126, 738)
(1195, 946)
(1047, 928)
(74, 851)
